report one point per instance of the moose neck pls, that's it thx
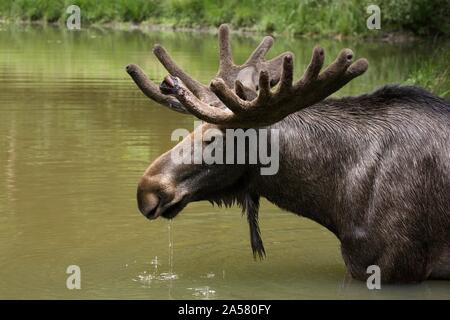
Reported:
(318, 149)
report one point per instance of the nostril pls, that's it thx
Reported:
(147, 203)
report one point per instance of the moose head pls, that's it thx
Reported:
(257, 94)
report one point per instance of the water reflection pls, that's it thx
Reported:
(76, 135)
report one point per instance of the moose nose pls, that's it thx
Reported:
(148, 203)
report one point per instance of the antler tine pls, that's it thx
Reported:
(264, 86)
(229, 97)
(260, 52)
(225, 55)
(152, 91)
(249, 71)
(243, 92)
(342, 62)
(313, 69)
(274, 68)
(315, 85)
(287, 75)
(198, 108)
(335, 76)
(196, 87)
(239, 88)
(354, 70)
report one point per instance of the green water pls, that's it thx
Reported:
(75, 137)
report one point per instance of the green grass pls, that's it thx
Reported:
(298, 17)
(433, 73)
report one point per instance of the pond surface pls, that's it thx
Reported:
(75, 137)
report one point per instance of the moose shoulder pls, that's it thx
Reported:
(373, 169)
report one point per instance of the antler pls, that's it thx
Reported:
(198, 93)
(241, 96)
(271, 106)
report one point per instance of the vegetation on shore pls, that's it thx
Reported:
(433, 73)
(421, 18)
(300, 17)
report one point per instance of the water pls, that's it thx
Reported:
(76, 136)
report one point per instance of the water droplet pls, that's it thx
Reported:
(209, 275)
(203, 292)
(155, 261)
(169, 228)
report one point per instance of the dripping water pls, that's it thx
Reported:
(169, 228)
(170, 275)
(155, 275)
(155, 264)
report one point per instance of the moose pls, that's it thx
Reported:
(373, 169)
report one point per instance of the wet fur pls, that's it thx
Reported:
(375, 171)
(250, 208)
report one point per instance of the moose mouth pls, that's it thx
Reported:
(168, 210)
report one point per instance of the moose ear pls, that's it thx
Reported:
(250, 207)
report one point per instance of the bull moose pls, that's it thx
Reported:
(373, 169)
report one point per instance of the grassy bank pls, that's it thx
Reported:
(300, 17)
(421, 18)
(433, 73)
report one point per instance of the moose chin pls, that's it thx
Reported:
(373, 169)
